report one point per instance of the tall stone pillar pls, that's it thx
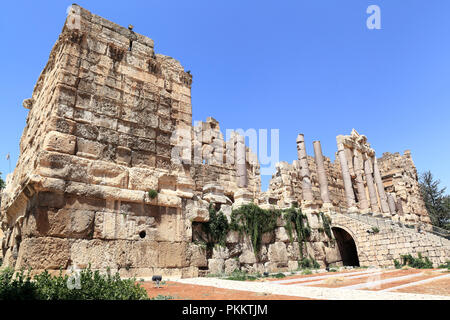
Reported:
(241, 166)
(391, 203)
(359, 170)
(349, 195)
(304, 169)
(371, 186)
(321, 174)
(380, 187)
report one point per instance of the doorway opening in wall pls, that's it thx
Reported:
(347, 247)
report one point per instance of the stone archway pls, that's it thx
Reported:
(347, 247)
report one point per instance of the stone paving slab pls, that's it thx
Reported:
(309, 292)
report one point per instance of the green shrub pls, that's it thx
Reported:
(93, 286)
(216, 229)
(239, 275)
(332, 270)
(308, 263)
(279, 275)
(418, 263)
(152, 193)
(375, 230)
(306, 271)
(254, 221)
(397, 264)
(446, 265)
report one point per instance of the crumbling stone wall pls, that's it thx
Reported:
(400, 180)
(109, 121)
(99, 135)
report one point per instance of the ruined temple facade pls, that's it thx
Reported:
(109, 120)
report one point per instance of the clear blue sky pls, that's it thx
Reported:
(307, 67)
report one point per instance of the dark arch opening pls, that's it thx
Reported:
(347, 247)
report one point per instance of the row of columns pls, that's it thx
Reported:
(364, 165)
(305, 174)
(367, 174)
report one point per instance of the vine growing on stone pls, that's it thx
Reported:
(326, 225)
(254, 222)
(216, 229)
(296, 219)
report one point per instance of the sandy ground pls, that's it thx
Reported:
(324, 285)
(180, 291)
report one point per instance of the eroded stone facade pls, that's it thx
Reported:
(110, 120)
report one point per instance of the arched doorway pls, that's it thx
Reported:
(347, 247)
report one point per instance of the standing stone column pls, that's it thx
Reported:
(304, 169)
(349, 195)
(322, 176)
(241, 166)
(359, 170)
(371, 186)
(380, 187)
(391, 203)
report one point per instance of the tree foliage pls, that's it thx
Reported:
(436, 202)
(2, 183)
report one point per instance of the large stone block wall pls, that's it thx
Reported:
(380, 249)
(99, 136)
(107, 119)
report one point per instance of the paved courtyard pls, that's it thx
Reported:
(365, 284)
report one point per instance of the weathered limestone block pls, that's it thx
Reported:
(89, 149)
(293, 250)
(105, 173)
(277, 252)
(197, 210)
(332, 255)
(241, 197)
(172, 254)
(43, 253)
(197, 256)
(216, 266)
(142, 179)
(281, 234)
(60, 142)
(64, 223)
(292, 265)
(231, 265)
(247, 256)
(220, 252)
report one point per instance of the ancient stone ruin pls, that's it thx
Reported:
(112, 173)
